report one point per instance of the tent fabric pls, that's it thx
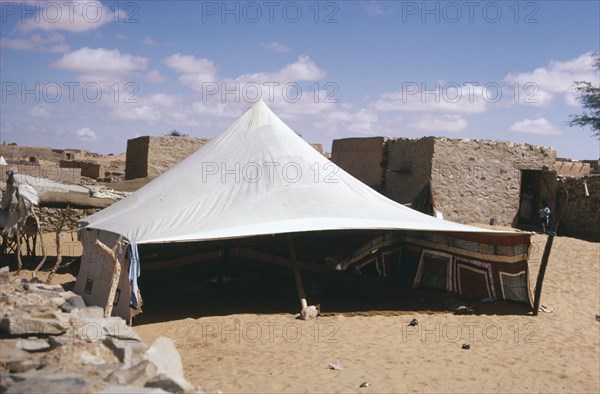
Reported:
(461, 263)
(257, 177)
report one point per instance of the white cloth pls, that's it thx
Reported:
(256, 177)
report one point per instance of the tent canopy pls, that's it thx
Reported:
(257, 177)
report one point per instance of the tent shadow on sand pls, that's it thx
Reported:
(267, 289)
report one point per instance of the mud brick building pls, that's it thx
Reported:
(473, 181)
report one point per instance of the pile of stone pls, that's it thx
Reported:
(52, 342)
(52, 218)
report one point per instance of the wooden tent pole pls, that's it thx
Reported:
(116, 274)
(297, 277)
(542, 272)
(223, 262)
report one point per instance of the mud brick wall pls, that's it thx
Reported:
(151, 156)
(363, 158)
(572, 168)
(52, 172)
(581, 214)
(25, 152)
(88, 169)
(408, 167)
(476, 180)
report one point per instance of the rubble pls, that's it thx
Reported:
(53, 342)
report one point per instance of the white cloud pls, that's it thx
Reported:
(155, 76)
(556, 78)
(534, 126)
(275, 47)
(100, 61)
(375, 9)
(448, 97)
(451, 123)
(86, 133)
(73, 16)
(40, 111)
(188, 64)
(303, 69)
(149, 41)
(54, 43)
(146, 113)
(120, 36)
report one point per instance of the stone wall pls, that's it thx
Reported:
(476, 180)
(52, 172)
(50, 218)
(361, 157)
(408, 167)
(581, 215)
(151, 156)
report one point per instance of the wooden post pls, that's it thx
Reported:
(223, 262)
(58, 247)
(297, 277)
(44, 255)
(542, 272)
(18, 238)
(114, 283)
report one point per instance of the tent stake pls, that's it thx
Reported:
(542, 272)
(299, 287)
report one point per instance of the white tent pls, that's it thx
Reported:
(2, 161)
(257, 177)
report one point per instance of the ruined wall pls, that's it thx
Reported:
(88, 168)
(52, 172)
(363, 158)
(151, 156)
(16, 152)
(476, 180)
(408, 167)
(581, 215)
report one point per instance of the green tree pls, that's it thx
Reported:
(590, 99)
(175, 133)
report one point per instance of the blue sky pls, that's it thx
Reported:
(91, 75)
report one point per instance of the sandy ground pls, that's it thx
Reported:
(514, 352)
(510, 350)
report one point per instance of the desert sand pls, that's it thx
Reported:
(510, 350)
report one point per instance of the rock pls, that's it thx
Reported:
(131, 390)
(126, 351)
(17, 360)
(97, 329)
(164, 382)
(34, 345)
(4, 276)
(137, 375)
(92, 312)
(39, 321)
(73, 302)
(118, 328)
(165, 356)
(54, 383)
